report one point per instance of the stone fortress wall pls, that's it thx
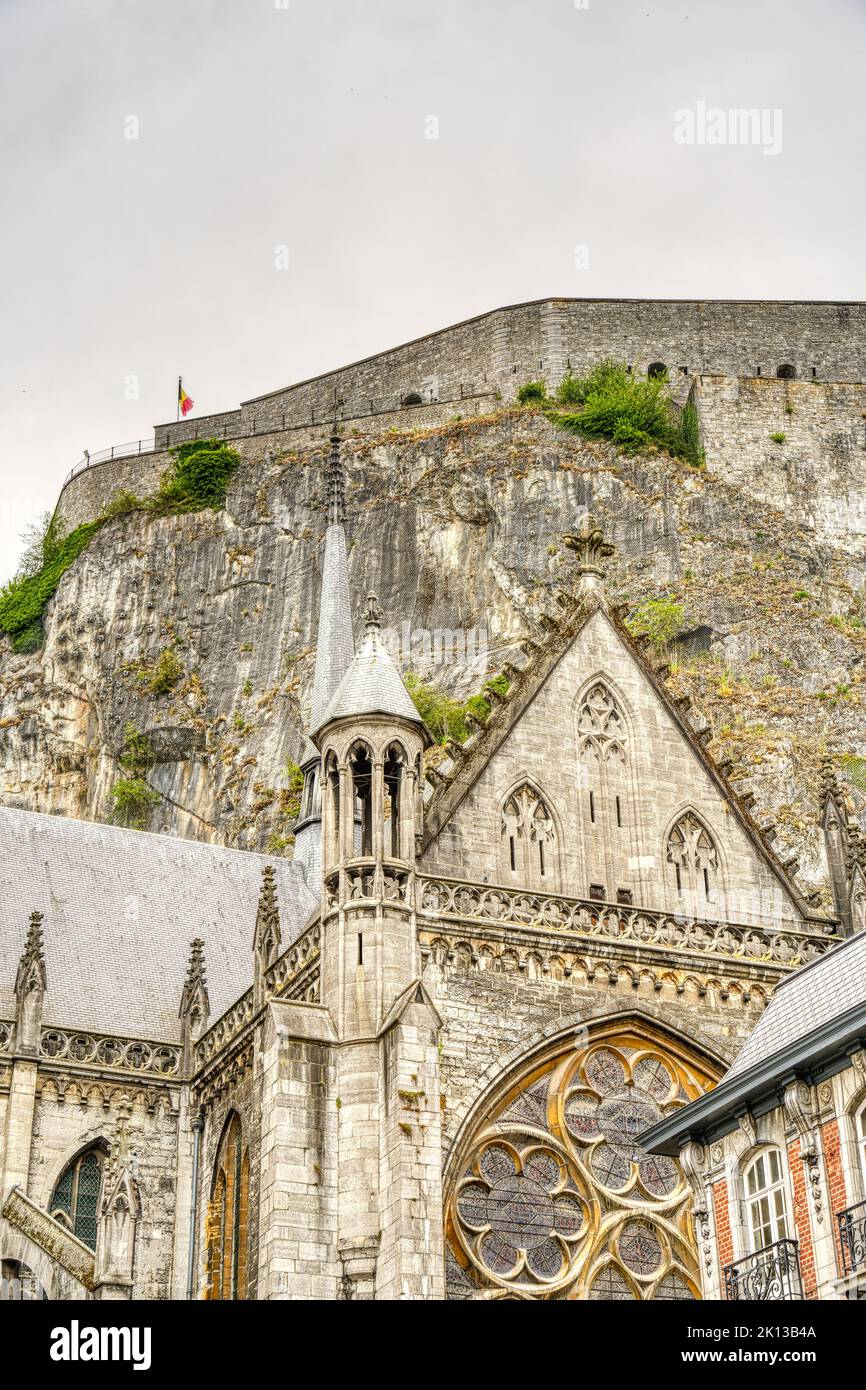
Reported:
(475, 366)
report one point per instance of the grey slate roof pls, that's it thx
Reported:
(806, 1000)
(121, 907)
(372, 685)
(814, 1021)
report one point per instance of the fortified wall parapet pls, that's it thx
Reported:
(474, 365)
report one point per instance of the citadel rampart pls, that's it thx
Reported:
(473, 366)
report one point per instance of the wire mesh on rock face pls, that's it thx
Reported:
(545, 1202)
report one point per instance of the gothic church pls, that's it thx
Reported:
(415, 1061)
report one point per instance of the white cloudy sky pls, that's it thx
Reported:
(302, 122)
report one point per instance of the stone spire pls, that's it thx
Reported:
(32, 963)
(194, 1009)
(588, 543)
(266, 942)
(336, 484)
(31, 983)
(335, 648)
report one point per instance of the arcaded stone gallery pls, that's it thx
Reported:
(543, 1011)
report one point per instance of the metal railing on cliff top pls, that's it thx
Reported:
(232, 428)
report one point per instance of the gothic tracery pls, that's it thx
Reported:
(555, 1197)
(528, 836)
(692, 851)
(601, 725)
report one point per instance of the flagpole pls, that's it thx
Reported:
(177, 411)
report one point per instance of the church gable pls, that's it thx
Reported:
(594, 789)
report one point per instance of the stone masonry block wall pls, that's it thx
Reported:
(662, 779)
(65, 1124)
(492, 355)
(489, 1017)
(508, 346)
(89, 492)
(817, 474)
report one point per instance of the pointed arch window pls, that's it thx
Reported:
(528, 838)
(228, 1218)
(75, 1202)
(332, 809)
(693, 858)
(394, 808)
(601, 727)
(361, 767)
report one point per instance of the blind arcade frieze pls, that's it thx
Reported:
(782, 946)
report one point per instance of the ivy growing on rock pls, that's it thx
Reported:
(197, 480)
(23, 599)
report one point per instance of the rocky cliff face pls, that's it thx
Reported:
(195, 633)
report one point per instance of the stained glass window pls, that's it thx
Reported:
(227, 1218)
(554, 1196)
(76, 1197)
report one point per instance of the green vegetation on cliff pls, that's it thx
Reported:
(197, 480)
(444, 716)
(659, 619)
(133, 802)
(611, 403)
(23, 599)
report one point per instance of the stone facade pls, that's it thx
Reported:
(328, 1136)
(418, 1060)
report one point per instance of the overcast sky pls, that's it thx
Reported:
(305, 124)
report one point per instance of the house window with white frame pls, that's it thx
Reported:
(860, 1131)
(766, 1205)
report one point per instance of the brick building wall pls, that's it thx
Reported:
(722, 1221)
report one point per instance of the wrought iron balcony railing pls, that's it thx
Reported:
(852, 1237)
(772, 1273)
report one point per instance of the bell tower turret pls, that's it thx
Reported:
(389, 1196)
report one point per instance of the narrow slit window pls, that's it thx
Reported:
(592, 807)
(618, 814)
(360, 948)
(513, 852)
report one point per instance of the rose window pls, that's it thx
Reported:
(555, 1196)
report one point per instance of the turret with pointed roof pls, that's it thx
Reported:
(372, 684)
